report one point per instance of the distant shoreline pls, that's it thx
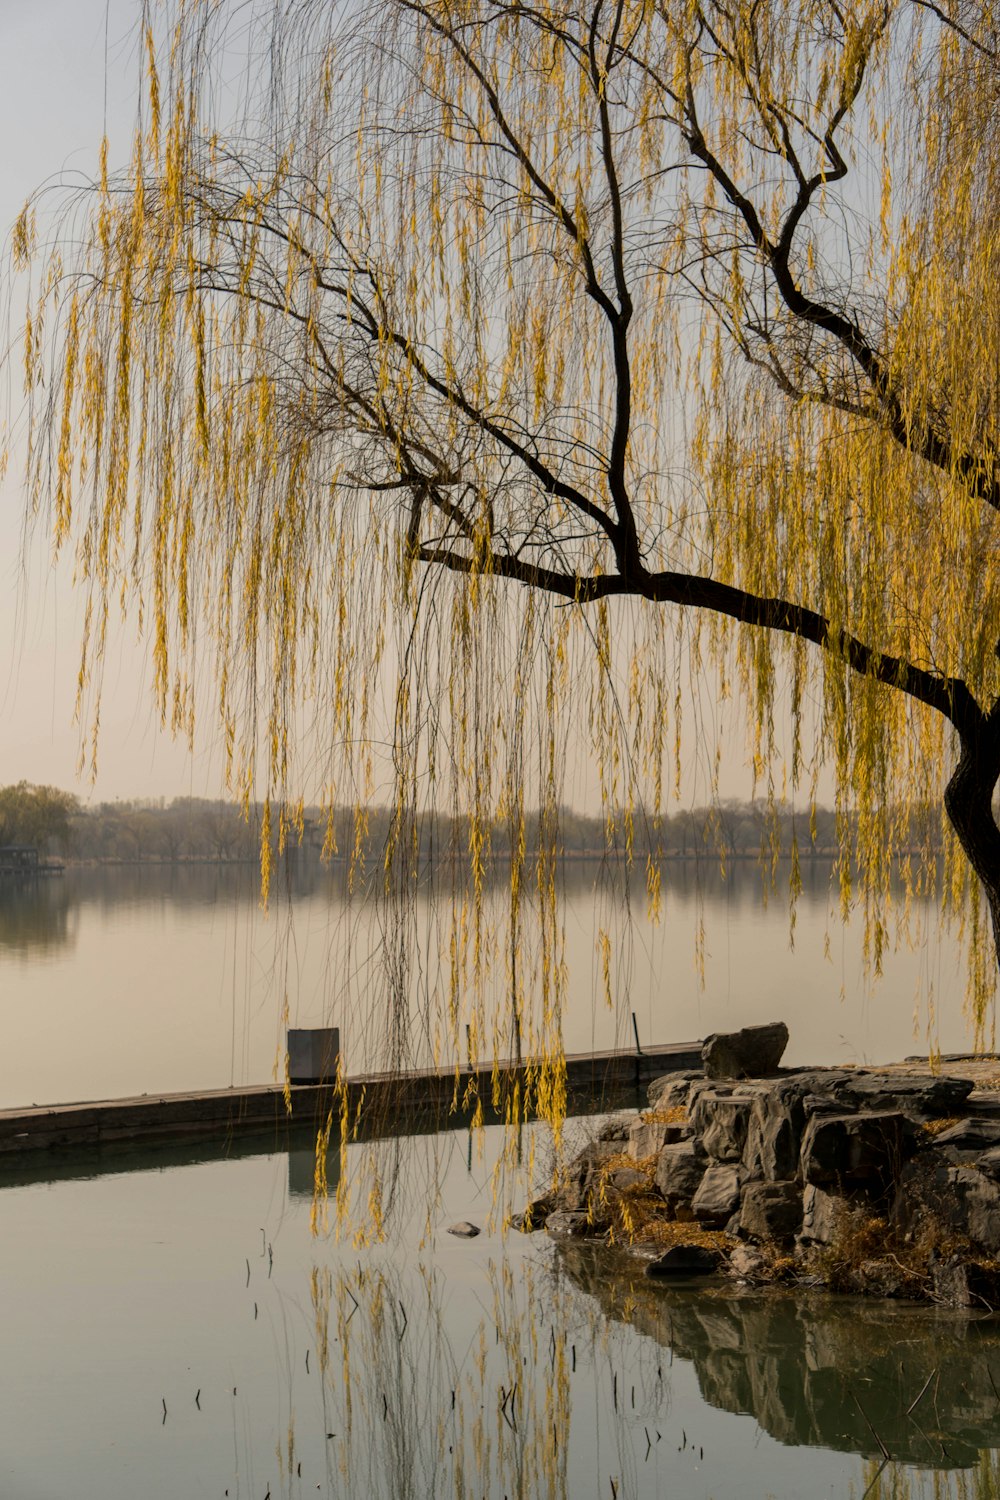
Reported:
(576, 856)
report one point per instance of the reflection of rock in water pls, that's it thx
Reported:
(822, 1371)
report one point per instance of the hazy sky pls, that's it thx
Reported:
(70, 72)
(68, 67)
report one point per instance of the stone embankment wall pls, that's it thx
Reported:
(880, 1182)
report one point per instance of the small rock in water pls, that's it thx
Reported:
(464, 1230)
(685, 1260)
(568, 1224)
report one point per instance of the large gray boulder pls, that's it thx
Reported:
(747, 1262)
(989, 1162)
(978, 1214)
(771, 1210)
(671, 1089)
(857, 1149)
(583, 1174)
(720, 1121)
(624, 1180)
(568, 1225)
(718, 1196)
(535, 1215)
(702, 1085)
(754, 1052)
(774, 1131)
(648, 1137)
(882, 1276)
(963, 1201)
(822, 1215)
(679, 1170)
(961, 1283)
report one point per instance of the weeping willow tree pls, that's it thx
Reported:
(475, 368)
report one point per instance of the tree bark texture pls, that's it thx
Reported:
(968, 800)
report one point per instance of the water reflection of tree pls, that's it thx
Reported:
(891, 1481)
(410, 1416)
(37, 916)
(193, 884)
(411, 1410)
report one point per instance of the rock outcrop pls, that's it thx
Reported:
(879, 1181)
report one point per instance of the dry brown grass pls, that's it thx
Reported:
(631, 1209)
(675, 1115)
(665, 1233)
(862, 1238)
(622, 1159)
(935, 1127)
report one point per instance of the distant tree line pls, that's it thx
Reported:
(188, 828)
(41, 817)
(198, 829)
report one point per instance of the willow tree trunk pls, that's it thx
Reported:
(968, 799)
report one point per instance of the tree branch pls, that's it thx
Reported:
(950, 696)
(975, 472)
(628, 547)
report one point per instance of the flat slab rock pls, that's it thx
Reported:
(974, 1134)
(914, 1093)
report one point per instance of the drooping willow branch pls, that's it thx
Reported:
(949, 696)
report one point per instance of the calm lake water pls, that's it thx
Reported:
(173, 1326)
(177, 1329)
(128, 980)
